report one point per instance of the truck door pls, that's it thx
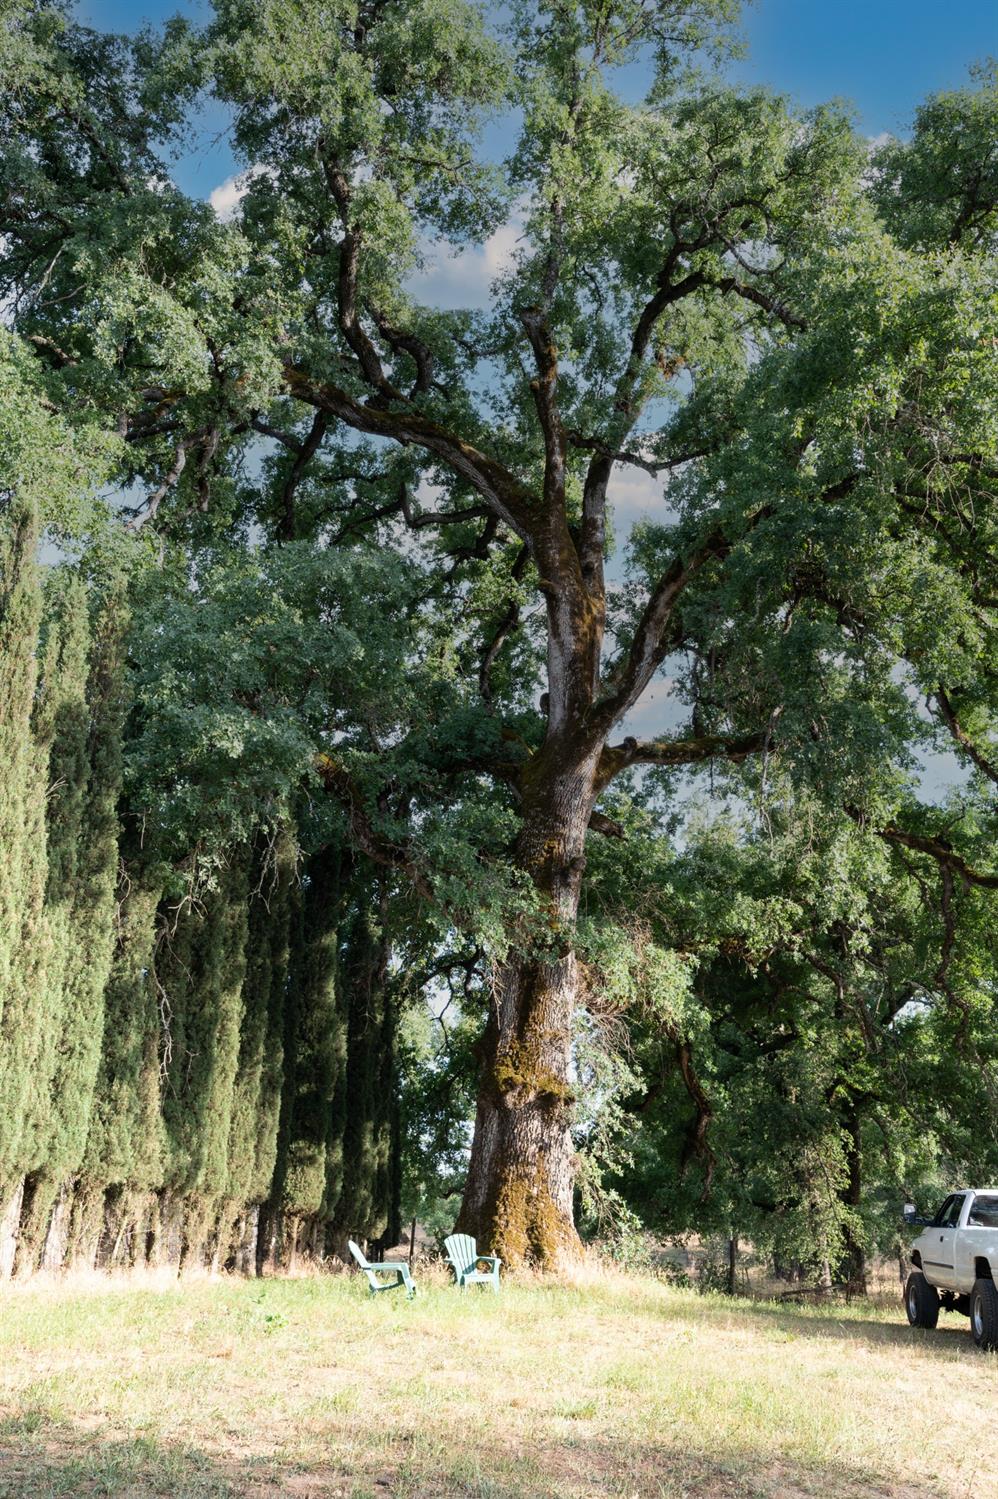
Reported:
(963, 1247)
(978, 1237)
(940, 1242)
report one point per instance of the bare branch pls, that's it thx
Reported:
(146, 511)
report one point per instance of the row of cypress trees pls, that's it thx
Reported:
(191, 1072)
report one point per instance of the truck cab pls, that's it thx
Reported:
(955, 1264)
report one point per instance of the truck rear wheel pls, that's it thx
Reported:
(921, 1301)
(984, 1314)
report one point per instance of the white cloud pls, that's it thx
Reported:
(463, 278)
(227, 196)
(637, 495)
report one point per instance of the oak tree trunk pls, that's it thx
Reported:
(518, 1196)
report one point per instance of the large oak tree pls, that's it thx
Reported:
(708, 289)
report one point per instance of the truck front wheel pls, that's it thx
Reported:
(921, 1301)
(984, 1314)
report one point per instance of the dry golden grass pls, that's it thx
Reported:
(611, 1386)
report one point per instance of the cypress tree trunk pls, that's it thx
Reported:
(518, 1195)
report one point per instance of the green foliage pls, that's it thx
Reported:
(257, 1096)
(941, 186)
(126, 1143)
(248, 820)
(200, 963)
(22, 831)
(310, 1146)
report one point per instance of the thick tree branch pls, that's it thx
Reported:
(380, 850)
(504, 629)
(960, 734)
(306, 452)
(651, 641)
(779, 310)
(147, 510)
(608, 826)
(593, 445)
(505, 495)
(407, 343)
(937, 848)
(544, 388)
(593, 535)
(734, 747)
(402, 505)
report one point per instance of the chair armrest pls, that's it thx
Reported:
(389, 1265)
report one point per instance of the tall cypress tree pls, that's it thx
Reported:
(21, 871)
(88, 900)
(257, 1095)
(200, 964)
(61, 726)
(310, 1136)
(125, 1144)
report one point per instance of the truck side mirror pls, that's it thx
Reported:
(910, 1212)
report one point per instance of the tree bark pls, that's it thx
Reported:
(518, 1195)
(10, 1219)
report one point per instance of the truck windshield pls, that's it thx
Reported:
(984, 1213)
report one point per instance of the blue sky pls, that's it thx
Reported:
(883, 56)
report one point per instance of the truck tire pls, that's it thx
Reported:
(984, 1314)
(921, 1301)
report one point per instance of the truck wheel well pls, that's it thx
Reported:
(982, 1270)
(916, 1259)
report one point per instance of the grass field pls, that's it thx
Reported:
(617, 1387)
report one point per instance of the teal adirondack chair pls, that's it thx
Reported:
(400, 1271)
(462, 1251)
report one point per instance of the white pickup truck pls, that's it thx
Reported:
(955, 1260)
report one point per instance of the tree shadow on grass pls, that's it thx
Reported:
(49, 1461)
(596, 1467)
(950, 1339)
(53, 1461)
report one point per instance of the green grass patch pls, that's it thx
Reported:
(618, 1387)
